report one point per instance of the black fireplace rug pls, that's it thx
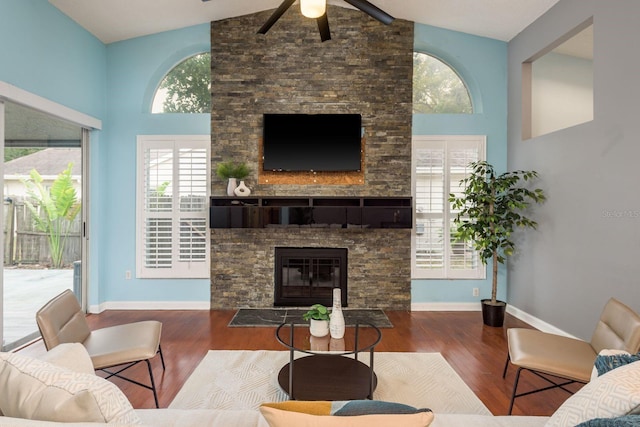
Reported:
(252, 317)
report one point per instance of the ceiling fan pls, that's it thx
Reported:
(317, 9)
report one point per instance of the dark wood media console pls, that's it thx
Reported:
(311, 212)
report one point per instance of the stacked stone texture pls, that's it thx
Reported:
(366, 68)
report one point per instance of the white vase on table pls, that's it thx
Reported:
(336, 321)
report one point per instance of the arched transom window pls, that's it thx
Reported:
(186, 88)
(437, 88)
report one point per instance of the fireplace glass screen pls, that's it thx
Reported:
(305, 276)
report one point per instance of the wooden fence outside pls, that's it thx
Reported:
(25, 245)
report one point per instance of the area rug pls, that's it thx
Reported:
(275, 316)
(245, 379)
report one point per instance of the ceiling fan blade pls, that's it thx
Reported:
(286, 4)
(323, 27)
(372, 10)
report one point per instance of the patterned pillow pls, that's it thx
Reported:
(613, 394)
(605, 364)
(38, 390)
(625, 421)
(603, 355)
(356, 413)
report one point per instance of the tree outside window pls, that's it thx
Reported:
(437, 89)
(186, 88)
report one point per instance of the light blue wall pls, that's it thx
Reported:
(134, 69)
(482, 64)
(44, 52)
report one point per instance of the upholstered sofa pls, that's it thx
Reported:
(62, 387)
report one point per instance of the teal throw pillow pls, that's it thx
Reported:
(625, 421)
(351, 408)
(605, 364)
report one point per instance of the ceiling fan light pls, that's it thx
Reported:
(313, 8)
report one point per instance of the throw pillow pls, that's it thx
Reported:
(38, 390)
(72, 356)
(625, 421)
(357, 413)
(605, 364)
(613, 394)
(603, 355)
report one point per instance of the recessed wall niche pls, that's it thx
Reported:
(557, 84)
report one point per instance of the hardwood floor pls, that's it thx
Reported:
(476, 352)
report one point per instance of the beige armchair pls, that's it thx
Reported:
(567, 359)
(62, 320)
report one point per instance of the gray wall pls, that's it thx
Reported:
(587, 248)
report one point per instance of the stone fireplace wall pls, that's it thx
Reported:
(366, 68)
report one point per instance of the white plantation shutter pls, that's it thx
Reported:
(439, 163)
(173, 209)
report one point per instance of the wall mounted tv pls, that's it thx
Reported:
(312, 142)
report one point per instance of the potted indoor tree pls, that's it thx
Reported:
(489, 210)
(318, 316)
(232, 171)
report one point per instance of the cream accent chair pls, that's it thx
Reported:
(62, 320)
(567, 358)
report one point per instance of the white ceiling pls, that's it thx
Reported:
(115, 20)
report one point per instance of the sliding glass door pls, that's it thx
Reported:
(42, 216)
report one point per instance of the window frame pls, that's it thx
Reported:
(444, 142)
(178, 269)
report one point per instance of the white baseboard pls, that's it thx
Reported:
(445, 306)
(475, 306)
(150, 305)
(535, 322)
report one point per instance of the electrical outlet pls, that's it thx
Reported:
(127, 275)
(476, 292)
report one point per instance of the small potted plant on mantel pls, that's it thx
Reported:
(318, 315)
(489, 211)
(232, 171)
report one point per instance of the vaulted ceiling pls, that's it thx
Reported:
(115, 20)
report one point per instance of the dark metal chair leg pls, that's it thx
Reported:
(515, 387)
(506, 365)
(161, 357)
(153, 383)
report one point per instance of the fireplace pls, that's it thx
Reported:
(307, 276)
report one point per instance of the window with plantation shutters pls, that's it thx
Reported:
(173, 206)
(439, 163)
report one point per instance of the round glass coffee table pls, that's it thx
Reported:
(330, 369)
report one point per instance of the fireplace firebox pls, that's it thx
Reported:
(307, 276)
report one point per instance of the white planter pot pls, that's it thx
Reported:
(319, 328)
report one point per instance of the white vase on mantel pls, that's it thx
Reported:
(336, 321)
(242, 190)
(231, 187)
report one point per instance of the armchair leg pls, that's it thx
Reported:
(506, 365)
(153, 383)
(161, 357)
(515, 387)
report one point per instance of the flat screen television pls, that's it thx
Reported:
(312, 142)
